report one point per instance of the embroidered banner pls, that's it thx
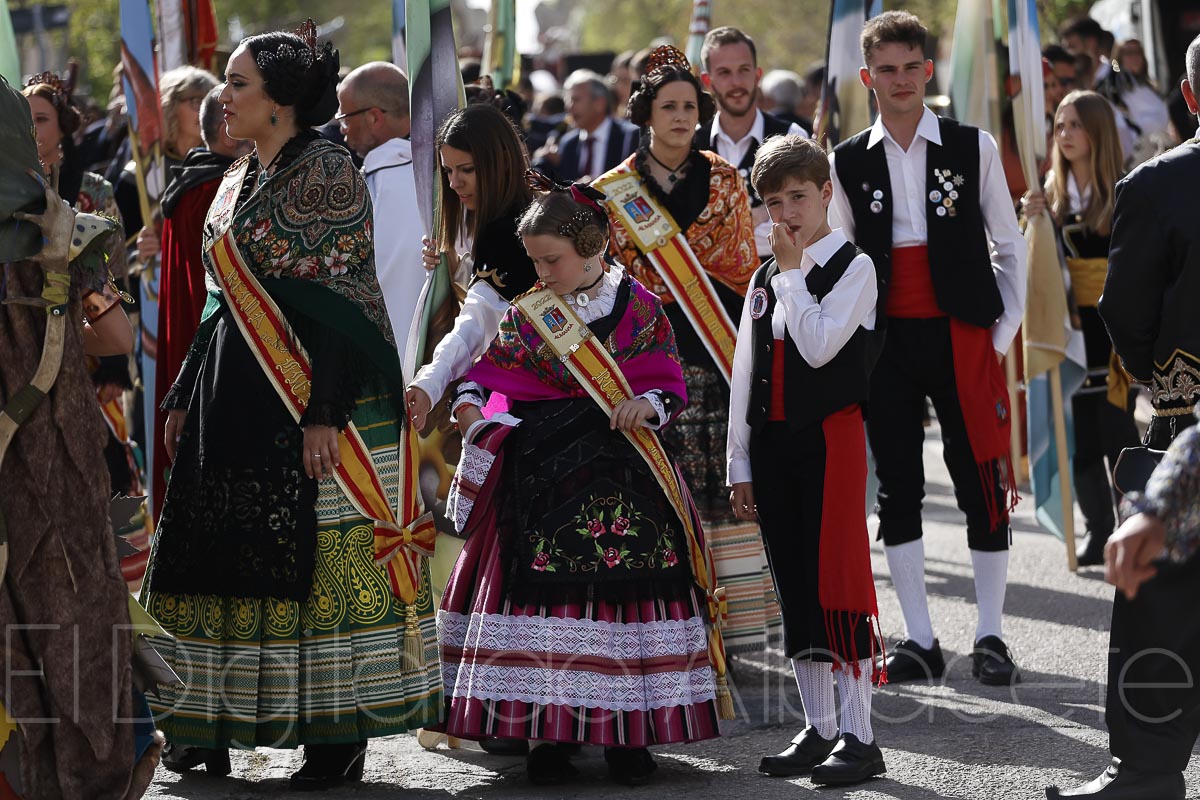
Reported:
(665, 246)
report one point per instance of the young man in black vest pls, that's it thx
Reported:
(926, 199)
(1149, 307)
(731, 73)
(800, 376)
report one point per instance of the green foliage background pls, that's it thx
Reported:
(790, 33)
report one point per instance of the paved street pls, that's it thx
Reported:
(956, 739)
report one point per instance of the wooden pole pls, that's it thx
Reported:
(139, 173)
(1018, 413)
(1064, 467)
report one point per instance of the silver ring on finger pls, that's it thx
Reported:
(316, 455)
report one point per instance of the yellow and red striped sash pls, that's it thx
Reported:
(657, 236)
(399, 547)
(114, 416)
(600, 375)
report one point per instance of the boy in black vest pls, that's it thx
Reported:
(926, 199)
(796, 446)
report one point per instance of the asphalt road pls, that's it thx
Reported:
(951, 739)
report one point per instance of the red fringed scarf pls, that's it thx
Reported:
(979, 380)
(846, 584)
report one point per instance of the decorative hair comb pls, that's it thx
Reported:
(666, 55)
(308, 32)
(54, 82)
(587, 196)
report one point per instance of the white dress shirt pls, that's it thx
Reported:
(734, 151)
(599, 140)
(907, 171)
(475, 327)
(389, 174)
(818, 329)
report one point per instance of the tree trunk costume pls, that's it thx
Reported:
(62, 571)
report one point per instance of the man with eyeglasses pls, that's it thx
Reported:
(374, 118)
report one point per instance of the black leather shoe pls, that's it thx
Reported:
(993, 664)
(327, 766)
(1090, 552)
(631, 766)
(806, 751)
(180, 759)
(908, 661)
(1122, 783)
(549, 764)
(504, 747)
(850, 762)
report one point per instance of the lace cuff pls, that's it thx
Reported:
(654, 397)
(467, 393)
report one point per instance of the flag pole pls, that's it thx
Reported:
(1014, 430)
(139, 173)
(1064, 475)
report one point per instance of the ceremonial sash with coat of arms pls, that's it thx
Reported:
(399, 547)
(659, 238)
(598, 373)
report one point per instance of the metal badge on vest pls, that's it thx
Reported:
(809, 393)
(959, 256)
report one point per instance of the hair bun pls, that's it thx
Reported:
(319, 102)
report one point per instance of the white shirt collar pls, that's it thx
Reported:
(601, 132)
(756, 130)
(823, 249)
(390, 153)
(927, 129)
(1075, 199)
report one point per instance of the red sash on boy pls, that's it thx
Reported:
(978, 377)
(398, 547)
(601, 377)
(657, 236)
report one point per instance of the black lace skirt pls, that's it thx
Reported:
(239, 518)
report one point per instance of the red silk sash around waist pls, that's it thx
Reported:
(776, 411)
(911, 295)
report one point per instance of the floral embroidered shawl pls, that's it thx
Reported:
(521, 366)
(312, 222)
(722, 237)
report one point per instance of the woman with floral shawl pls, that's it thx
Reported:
(263, 568)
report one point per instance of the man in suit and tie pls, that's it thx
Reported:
(732, 74)
(597, 142)
(1149, 307)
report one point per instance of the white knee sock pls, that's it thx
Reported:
(855, 695)
(815, 680)
(991, 579)
(906, 562)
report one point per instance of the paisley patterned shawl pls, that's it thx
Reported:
(722, 237)
(312, 221)
(520, 365)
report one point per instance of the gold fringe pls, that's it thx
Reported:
(414, 645)
(725, 709)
